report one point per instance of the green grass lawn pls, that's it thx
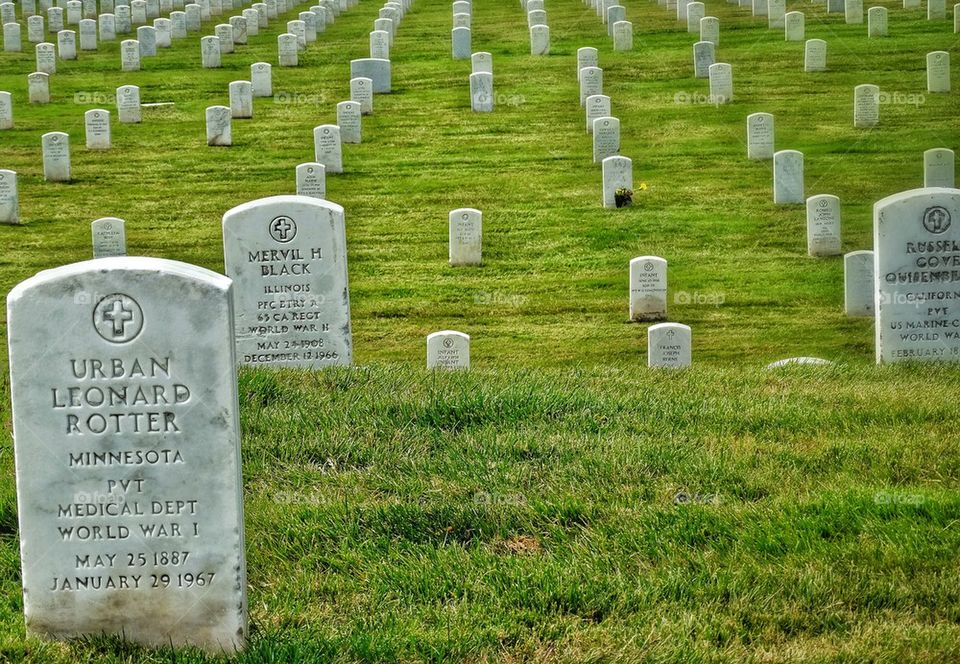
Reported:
(527, 510)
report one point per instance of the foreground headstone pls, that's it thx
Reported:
(794, 26)
(130, 55)
(288, 258)
(938, 168)
(210, 53)
(916, 240)
(606, 138)
(56, 156)
(465, 237)
(938, 71)
(788, 186)
(858, 284)
(617, 179)
(823, 225)
(877, 22)
(461, 43)
(591, 83)
(721, 83)
(219, 126)
(9, 200)
(866, 106)
(648, 288)
(127, 444)
(97, 126)
(815, 55)
(448, 350)
(760, 136)
(46, 57)
(67, 45)
(311, 180)
(668, 346)
(327, 148)
(287, 50)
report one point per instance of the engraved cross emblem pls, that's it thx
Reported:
(119, 316)
(283, 228)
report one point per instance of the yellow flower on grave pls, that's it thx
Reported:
(642, 186)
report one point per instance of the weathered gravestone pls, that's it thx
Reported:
(6, 110)
(760, 136)
(788, 187)
(794, 26)
(35, 29)
(127, 443)
(617, 177)
(858, 284)
(251, 18)
(776, 14)
(721, 83)
(287, 50)
(623, 36)
(853, 12)
(97, 127)
(591, 83)
(241, 99)
(9, 200)
(695, 12)
(130, 55)
(936, 10)
(288, 258)
(481, 92)
(823, 225)
(219, 126)
(938, 168)
(348, 119)
(67, 45)
(648, 288)
(327, 148)
(261, 78)
(448, 350)
(710, 30)
(38, 87)
(178, 25)
(11, 38)
(311, 180)
(615, 14)
(163, 31)
(598, 106)
(380, 44)
(703, 58)
(606, 138)
(376, 70)
(224, 32)
(586, 57)
(107, 26)
(109, 237)
(56, 156)
(147, 36)
(361, 91)
(481, 63)
(465, 227)
(866, 106)
(462, 20)
(210, 57)
(539, 40)
(938, 71)
(128, 104)
(916, 242)
(668, 346)
(815, 55)
(46, 58)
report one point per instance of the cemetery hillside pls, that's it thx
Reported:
(479, 330)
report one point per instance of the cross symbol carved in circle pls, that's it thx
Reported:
(119, 316)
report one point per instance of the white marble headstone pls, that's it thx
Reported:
(38, 87)
(377, 70)
(219, 126)
(539, 40)
(97, 126)
(9, 200)
(210, 57)
(591, 83)
(721, 83)
(348, 119)
(703, 58)
(938, 168)
(11, 38)
(866, 106)
(597, 106)
(586, 57)
(6, 110)
(794, 26)
(56, 156)
(858, 284)
(241, 99)
(67, 45)
(606, 138)
(461, 43)
(815, 55)
(877, 22)
(481, 63)
(261, 78)
(361, 91)
(311, 180)
(668, 346)
(287, 50)
(916, 243)
(127, 443)
(823, 225)
(466, 237)
(617, 173)
(648, 288)
(130, 55)
(109, 237)
(448, 350)
(46, 58)
(481, 92)
(788, 185)
(760, 136)
(327, 148)
(128, 104)
(710, 30)
(288, 258)
(938, 71)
